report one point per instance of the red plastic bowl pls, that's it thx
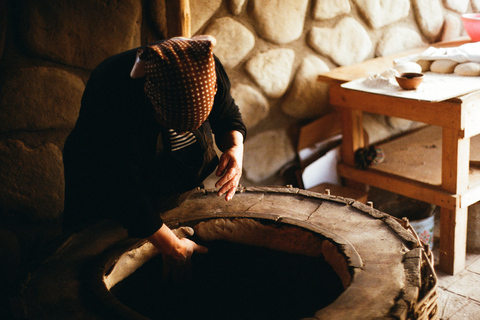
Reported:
(471, 23)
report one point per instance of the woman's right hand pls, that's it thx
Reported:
(176, 250)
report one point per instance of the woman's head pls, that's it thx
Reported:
(180, 80)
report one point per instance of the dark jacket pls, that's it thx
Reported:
(117, 161)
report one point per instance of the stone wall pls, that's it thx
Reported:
(272, 49)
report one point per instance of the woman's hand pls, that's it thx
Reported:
(176, 251)
(179, 248)
(230, 166)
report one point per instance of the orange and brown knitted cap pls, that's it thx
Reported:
(181, 81)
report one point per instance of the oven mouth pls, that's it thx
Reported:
(256, 268)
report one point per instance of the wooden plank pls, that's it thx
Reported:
(377, 65)
(418, 156)
(470, 197)
(444, 113)
(465, 99)
(323, 128)
(352, 130)
(341, 191)
(453, 223)
(471, 114)
(401, 185)
(452, 43)
(455, 162)
(364, 69)
(352, 139)
(453, 240)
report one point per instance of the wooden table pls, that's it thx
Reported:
(459, 119)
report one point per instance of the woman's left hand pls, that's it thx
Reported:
(230, 166)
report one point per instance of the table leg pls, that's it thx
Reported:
(453, 223)
(453, 239)
(352, 132)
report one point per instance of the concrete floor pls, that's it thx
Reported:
(459, 295)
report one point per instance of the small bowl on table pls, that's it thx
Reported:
(471, 23)
(409, 80)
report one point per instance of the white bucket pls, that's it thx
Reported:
(424, 229)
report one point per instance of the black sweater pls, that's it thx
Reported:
(110, 155)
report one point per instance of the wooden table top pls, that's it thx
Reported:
(377, 65)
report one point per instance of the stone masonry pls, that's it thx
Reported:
(272, 49)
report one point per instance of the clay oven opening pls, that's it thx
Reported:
(255, 269)
(275, 253)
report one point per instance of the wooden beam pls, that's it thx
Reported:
(377, 65)
(443, 113)
(178, 18)
(352, 129)
(455, 162)
(453, 223)
(401, 185)
(185, 18)
(323, 128)
(470, 197)
(453, 240)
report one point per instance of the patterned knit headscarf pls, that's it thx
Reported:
(181, 81)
